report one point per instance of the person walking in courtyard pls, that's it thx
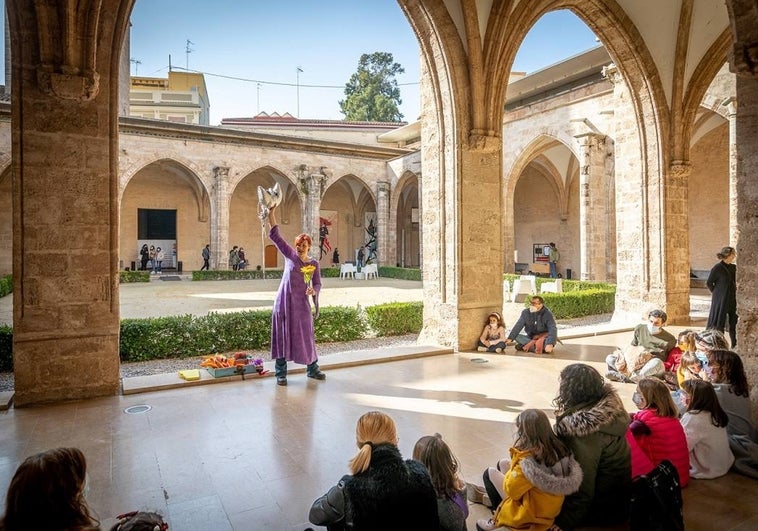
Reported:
(540, 331)
(234, 258)
(722, 283)
(336, 257)
(206, 258)
(151, 259)
(292, 337)
(553, 257)
(361, 256)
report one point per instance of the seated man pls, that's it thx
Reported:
(540, 331)
(649, 348)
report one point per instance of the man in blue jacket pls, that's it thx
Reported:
(540, 331)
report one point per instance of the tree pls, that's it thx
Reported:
(372, 93)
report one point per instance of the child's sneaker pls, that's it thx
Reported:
(481, 349)
(487, 524)
(499, 350)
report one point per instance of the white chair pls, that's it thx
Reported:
(552, 287)
(522, 286)
(370, 271)
(532, 280)
(347, 270)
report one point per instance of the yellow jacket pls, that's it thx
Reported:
(534, 493)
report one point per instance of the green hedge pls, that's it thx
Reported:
(395, 318)
(579, 297)
(326, 272)
(127, 277)
(6, 285)
(189, 336)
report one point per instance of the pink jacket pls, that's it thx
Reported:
(666, 440)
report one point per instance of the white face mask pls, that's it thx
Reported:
(653, 329)
(638, 400)
(85, 489)
(533, 309)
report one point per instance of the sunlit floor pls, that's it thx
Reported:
(249, 455)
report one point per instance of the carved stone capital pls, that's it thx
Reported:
(220, 172)
(680, 169)
(743, 59)
(68, 86)
(612, 74)
(484, 141)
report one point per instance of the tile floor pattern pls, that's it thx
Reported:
(249, 455)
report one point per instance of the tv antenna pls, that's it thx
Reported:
(136, 63)
(188, 50)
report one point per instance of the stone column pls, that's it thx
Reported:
(731, 114)
(312, 186)
(65, 204)
(593, 207)
(220, 204)
(383, 222)
(677, 242)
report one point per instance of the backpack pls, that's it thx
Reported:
(657, 500)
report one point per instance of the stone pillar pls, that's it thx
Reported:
(677, 242)
(312, 186)
(65, 204)
(420, 217)
(593, 207)
(731, 113)
(220, 204)
(383, 222)
(747, 221)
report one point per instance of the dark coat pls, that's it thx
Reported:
(596, 435)
(391, 494)
(536, 323)
(722, 282)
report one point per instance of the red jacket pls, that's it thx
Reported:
(665, 440)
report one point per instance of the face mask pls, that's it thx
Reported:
(653, 329)
(85, 489)
(638, 400)
(533, 309)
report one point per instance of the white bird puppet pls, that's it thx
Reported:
(268, 198)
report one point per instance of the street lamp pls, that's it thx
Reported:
(298, 90)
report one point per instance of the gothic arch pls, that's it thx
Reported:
(407, 248)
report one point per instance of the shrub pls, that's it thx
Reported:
(228, 274)
(402, 273)
(395, 318)
(126, 277)
(6, 285)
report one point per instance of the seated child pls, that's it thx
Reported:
(493, 335)
(704, 425)
(444, 468)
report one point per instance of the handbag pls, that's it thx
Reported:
(657, 500)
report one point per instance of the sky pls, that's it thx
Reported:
(264, 42)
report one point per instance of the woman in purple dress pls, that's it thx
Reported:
(292, 337)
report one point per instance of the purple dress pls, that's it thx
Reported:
(292, 335)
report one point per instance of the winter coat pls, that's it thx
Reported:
(710, 456)
(722, 283)
(658, 438)
(534, 492)
(390, 494)
(534, 323)
(595, 434)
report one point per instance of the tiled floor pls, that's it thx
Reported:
(249, 455)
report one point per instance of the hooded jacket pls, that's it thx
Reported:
(534, 492)
(596, 435)
(390, 494)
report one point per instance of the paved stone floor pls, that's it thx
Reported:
(249, 455)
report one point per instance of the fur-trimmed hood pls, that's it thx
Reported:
(607, 415)
(563, 478)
